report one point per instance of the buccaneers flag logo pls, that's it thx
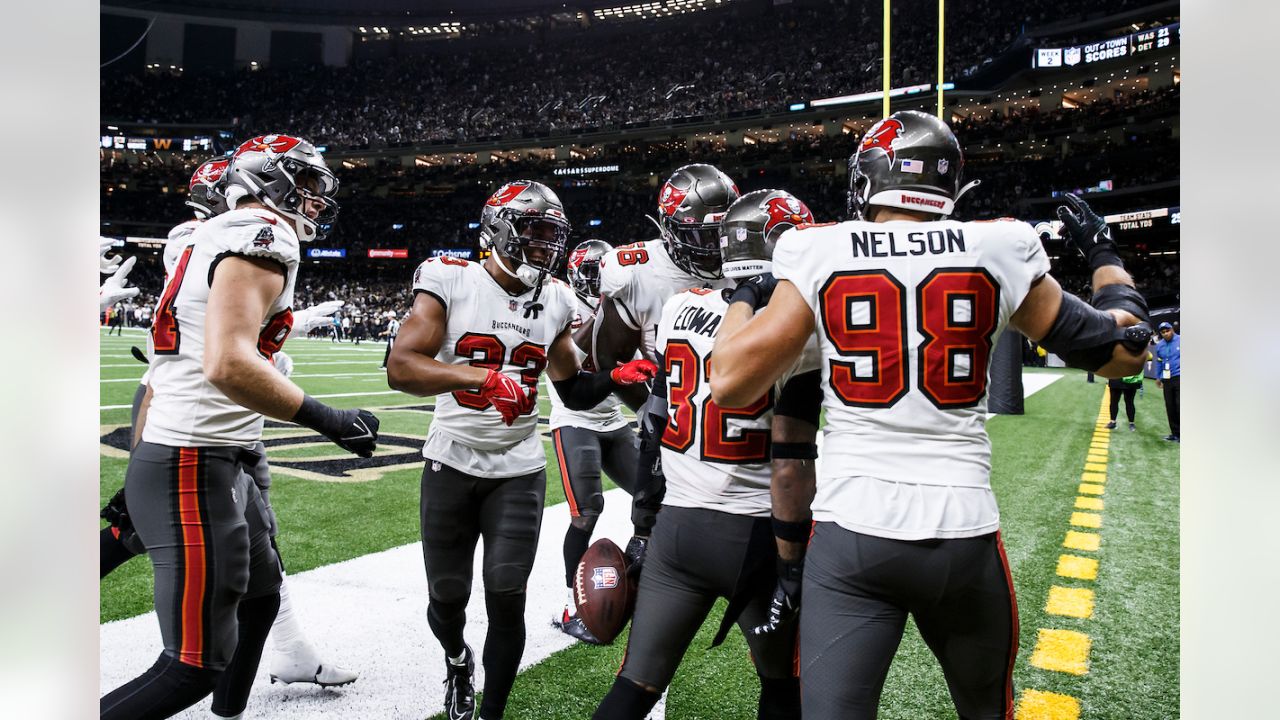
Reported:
(882, 136)
(785, 210)
(576, 257)
(275, 144)
(209, 173)
(670, 199)
(506, 194)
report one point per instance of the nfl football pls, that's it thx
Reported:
(602, 592)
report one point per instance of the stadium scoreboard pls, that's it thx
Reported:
(1124, 46)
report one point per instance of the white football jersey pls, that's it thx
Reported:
(487, 327)
(186, 409)
(712, 458)
(179, 240)
(606, 416)
(639, 278)
(907, 314)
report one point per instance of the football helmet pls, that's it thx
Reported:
(524, 223)
(285, 174)
(690, 206)
(584, 269)
(909, 160)
(206, 195)
(751, 227)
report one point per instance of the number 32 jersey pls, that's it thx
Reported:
(486, 327)
(907, 314)
(186, 409)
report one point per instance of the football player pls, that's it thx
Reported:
(224, 312)
(637, 279)
(295, 659)
(587, 441)
(478, 337)
(906, 306)
(714, 536)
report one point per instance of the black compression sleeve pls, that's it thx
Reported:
(651, 485)
(584, 390)
(801, 397)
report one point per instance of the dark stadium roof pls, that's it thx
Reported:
(361, 12)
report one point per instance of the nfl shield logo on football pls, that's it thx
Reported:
(604, 578)
(511, 305)
(943, 166)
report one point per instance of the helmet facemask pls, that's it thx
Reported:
(532, 244)
(693, 247)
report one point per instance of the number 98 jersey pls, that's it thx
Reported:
(907, 314)
(712, 457)
(186, 409)
(486, 327)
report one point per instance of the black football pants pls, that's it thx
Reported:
(858, 590)
(456, 511)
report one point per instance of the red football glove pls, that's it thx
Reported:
(506, 396)
(530, 401)
(636, 371)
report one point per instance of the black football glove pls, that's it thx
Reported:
(1086, 231)
(755, 290)
(352, 430)
(634, 554)
(785, 605)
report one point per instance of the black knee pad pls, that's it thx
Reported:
(592, 506)
(506, 578)
(450, 591)
(779, 699)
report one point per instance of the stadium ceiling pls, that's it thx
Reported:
(358, 12)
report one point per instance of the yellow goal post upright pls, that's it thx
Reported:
(885, 45)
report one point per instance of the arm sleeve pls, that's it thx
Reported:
(584, 390)
(651, 485)
(801, 397)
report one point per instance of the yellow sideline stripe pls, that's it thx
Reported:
(1067, 651)
(1078, 568)
(1082, 541)
(1039, 705)
(1086, 520)
(1070, 602)
(1062, 651)
(1089, 503)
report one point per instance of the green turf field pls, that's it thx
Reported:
(1131, 668)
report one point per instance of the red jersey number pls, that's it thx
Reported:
(864, 318)
(685, 372)
(165, 334)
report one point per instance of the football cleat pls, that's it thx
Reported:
(1132, 427)
(459, 689)
(573, 626)
(305, 667)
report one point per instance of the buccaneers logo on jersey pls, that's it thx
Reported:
(882, 136)
(670, 199)
(785, 211)
(274, 144)
(506, 194)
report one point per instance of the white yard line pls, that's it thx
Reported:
(328, 395)
(293, 376)
(370, 615)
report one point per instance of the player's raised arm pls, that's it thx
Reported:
(1107, 336)
(751, 353)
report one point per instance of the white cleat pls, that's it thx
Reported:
(285, 670)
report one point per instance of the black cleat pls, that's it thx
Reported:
(1172, 438)
(459, 688)
(1111, 425)
(573, 626)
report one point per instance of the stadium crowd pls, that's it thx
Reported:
(747, 63)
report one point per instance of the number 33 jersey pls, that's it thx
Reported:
(907, 314)
(186, 409)
(486, 327)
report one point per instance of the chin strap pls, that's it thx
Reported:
(533, 307)
(967, 187)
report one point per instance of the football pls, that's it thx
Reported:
(605, 597)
